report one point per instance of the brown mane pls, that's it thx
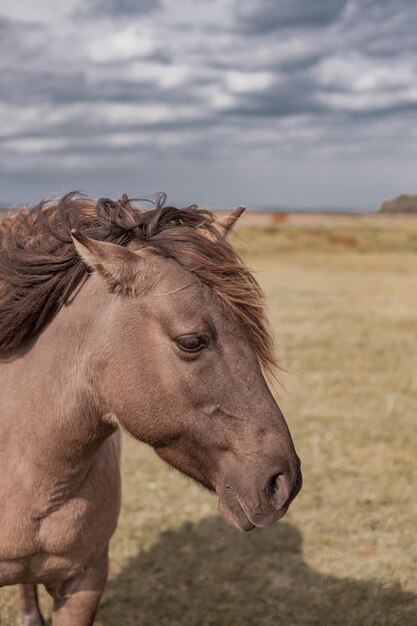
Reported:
(40, 268)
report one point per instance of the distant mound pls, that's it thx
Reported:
(405, 203)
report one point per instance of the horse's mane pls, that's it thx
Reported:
(40, 268)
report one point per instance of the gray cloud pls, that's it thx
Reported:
(263, 16)
(187, 88)
(293, 95)
(117, 8)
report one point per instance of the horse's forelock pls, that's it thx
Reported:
(40, 268)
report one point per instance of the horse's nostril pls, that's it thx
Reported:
(273, 485)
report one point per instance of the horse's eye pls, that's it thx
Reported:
(191, 343)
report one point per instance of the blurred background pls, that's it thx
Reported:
(305, 111)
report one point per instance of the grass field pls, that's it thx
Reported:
(343, 303)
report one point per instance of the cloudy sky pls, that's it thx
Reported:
(264, 102)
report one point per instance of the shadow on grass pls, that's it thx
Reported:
(204, 575)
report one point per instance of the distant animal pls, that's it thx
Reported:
(116, 317)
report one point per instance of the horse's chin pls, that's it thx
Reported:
(231, 511)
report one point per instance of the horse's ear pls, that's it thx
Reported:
(224, 225)
(118, 265)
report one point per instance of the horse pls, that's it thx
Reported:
(117, 317)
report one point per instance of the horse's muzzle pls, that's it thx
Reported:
(263, 504)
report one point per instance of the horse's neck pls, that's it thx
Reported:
(50, 415)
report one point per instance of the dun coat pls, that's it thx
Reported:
(116, 317)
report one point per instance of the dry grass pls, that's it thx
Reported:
(345, 318)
